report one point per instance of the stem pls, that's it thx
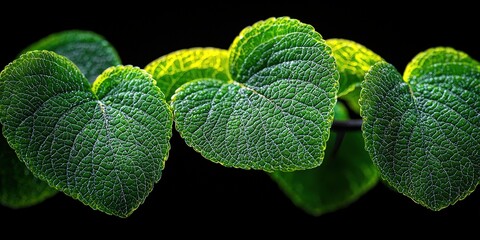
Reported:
(348, 125)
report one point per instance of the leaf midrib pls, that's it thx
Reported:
(284, 114)
(102, 106)
(114, 155)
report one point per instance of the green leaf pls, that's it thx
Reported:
(92, 53)
(275, 111)
(89, 51)
(351, 99)
(105, 146)
(346, 174)
(18, 187)
(422, 132)
(353, 61)
(175, 69)
(430, 60)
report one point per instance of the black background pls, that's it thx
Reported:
(195, 191)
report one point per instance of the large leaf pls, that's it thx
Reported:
(89, 51)
(346, 174)
(423, 131)
(173, 70)
(18, 187)
(104, 145)
(275, 111)
(92, 53)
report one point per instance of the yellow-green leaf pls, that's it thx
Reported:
(353, 61)
(173, 70)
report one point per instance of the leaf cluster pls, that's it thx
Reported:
(281, 99)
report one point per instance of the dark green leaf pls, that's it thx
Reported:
(423, 131)
(276, 110)
(18, 187)
(105, 147)
(89, 51)
(92, 53)
(346, 174)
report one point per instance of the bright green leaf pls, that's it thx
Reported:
(18, 187)
(429, 60)
(175, 69)
(422, 131)
(346, 174)
(276, 110)
(353, 61)
(89, 51)
(105, 147)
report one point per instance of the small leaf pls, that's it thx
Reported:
(346, 174)
(422, 132)
(351, 99)
(275, 111)
(89, 51)
(105, 147)
(353, 61)
(175, 69)
(18, 187)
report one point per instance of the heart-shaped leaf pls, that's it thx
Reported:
(18, 187)
(104, 145)
(173, 70)
(89, 51)
(275, 111)
(423, 131)
(92, 53)
(346, 174)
